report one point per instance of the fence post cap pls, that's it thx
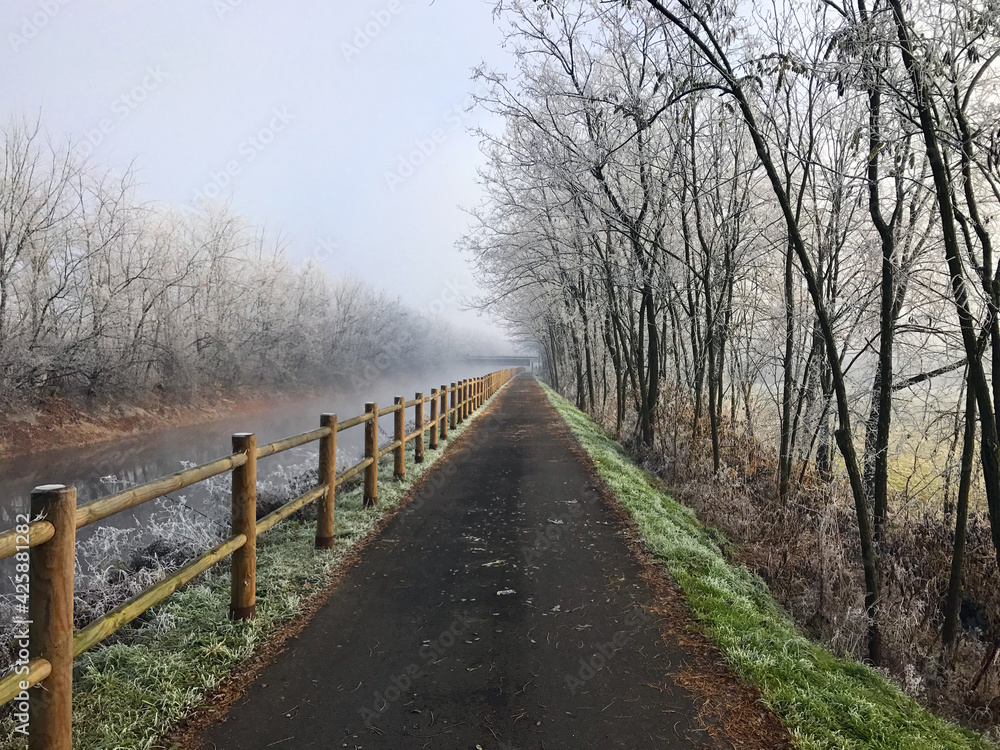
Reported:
(46, 488)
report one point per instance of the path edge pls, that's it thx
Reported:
(730, 708)
(215, 703)
(926, 727)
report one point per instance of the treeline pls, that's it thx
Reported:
(104, 296)
(769, 225)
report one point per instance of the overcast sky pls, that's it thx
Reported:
(309, 115)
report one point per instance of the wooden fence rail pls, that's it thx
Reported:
(49, 540)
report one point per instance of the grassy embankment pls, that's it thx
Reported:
(826, 701)
(129, 694)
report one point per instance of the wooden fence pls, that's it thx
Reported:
(50, 539)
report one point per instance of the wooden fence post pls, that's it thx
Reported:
(443, 411)
(454, 405)
(371, 451)
(50, 615)
(418, 446)
(243, 591)
(434, 418)
(327, 476)
(463, 393)
(400, 437)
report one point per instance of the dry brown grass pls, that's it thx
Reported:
(807, 550)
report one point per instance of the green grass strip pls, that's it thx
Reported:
(824, 700)
(128, 695)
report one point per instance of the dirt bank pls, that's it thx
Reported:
(59, 423)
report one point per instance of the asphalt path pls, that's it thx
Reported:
(502, 608)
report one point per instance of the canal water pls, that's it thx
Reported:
(105, 468)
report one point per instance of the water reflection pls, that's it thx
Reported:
(106, 468)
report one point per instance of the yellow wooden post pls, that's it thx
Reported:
(435, 402)
(418, 446)
(371, 452)
(243, 591)
(50, 615)
(328, 477)
(400, 437)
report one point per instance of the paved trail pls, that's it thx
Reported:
(501, 610)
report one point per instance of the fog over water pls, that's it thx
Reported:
(104, 468)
